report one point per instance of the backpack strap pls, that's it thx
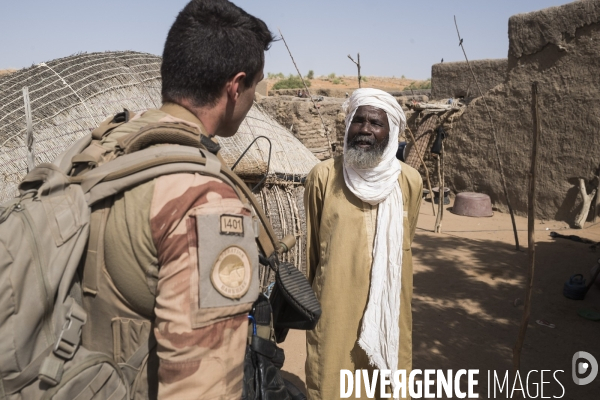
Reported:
(94, 259)
(135, 168)
(160, 133)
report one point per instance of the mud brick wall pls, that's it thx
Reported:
(454, 79)
(558, 47)
(300, 116)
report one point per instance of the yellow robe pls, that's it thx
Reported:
(340, 233)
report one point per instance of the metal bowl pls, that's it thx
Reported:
(472, 204)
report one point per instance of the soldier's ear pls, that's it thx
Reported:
(236, 85)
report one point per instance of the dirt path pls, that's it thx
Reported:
(466, 281)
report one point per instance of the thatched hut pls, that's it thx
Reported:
(70, 96)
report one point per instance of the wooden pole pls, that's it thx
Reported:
(357, 65)
(501, 169)
(530, 230)
(412, 137)
(597, 200)
(438, 219)
(443, 190)
(309, 95)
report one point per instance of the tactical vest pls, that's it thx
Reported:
(119, 299)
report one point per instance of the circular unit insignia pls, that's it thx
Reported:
(232, 273)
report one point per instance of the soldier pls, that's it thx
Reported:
(176, 274)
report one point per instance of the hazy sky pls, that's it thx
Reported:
(394, 37)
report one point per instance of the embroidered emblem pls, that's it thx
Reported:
(232, 225)
(232, 273)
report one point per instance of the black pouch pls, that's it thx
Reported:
(263, 360)
(436, 147)
(293, 301)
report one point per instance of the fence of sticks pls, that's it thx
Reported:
(69, 97)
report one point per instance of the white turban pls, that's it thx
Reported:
(380, 333)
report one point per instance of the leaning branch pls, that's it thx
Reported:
(503, 180)
(309, 95)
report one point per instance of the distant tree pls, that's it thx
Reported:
(311, 74)
(331, 76)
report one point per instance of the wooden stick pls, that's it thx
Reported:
(587, 201)
(357, 65)
(438, 219)
(530, 231)
(29, 132)
(501, 169)
(309, 95)
(412, 137)
(443, 192)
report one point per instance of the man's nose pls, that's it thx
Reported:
(366, 128)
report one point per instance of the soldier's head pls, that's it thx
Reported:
(213, 59)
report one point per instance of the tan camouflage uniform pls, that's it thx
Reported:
(152, 235)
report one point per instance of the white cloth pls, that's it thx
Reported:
(380, 335)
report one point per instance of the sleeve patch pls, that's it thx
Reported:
(228, 263)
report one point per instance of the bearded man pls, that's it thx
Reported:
(361, 216)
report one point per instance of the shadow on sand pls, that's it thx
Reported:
(465, 317)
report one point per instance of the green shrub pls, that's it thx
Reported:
(331, 76)
(363, 78)
(271, 75)
(291, 82)
(403, 77)
(336, 81)
(311, 74)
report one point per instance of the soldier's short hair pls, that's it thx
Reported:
(209, 43)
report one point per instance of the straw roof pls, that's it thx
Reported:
(70, 96)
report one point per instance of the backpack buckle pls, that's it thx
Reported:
(70, 335)
(121, 117)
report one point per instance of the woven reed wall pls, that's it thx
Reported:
(284, 206)
(70, 96)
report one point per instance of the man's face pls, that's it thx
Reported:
(243, 104)
(368, 136)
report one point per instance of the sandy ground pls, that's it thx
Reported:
(466, 281)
